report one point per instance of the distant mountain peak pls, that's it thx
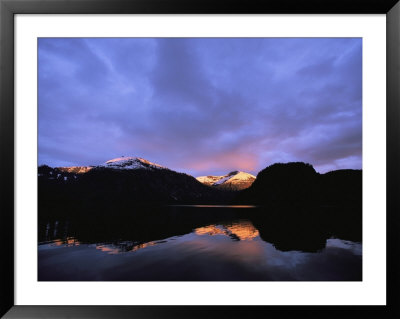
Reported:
(235, 180)
(128, 162)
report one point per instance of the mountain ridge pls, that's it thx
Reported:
(129, 181)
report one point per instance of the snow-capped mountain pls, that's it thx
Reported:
(235, 180)
(130, 163)
(68, 173)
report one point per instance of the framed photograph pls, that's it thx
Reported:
(168, 159)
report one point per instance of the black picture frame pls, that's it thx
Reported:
(8, 8)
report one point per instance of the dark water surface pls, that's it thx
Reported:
(205, 243)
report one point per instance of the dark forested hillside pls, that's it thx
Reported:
(299, 183)
(103, 189)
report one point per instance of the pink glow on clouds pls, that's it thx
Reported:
(227, 161)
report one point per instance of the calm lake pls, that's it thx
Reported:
(201, 243)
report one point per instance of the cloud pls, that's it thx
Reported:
(202, 106)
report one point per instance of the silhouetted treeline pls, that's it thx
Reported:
(299, 183)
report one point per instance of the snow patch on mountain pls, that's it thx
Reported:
(130, 163)
(208, 180)
(235, 180)
(242, 176)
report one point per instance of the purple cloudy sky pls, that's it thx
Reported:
(201, 106)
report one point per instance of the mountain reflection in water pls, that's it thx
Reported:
(187, 243)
